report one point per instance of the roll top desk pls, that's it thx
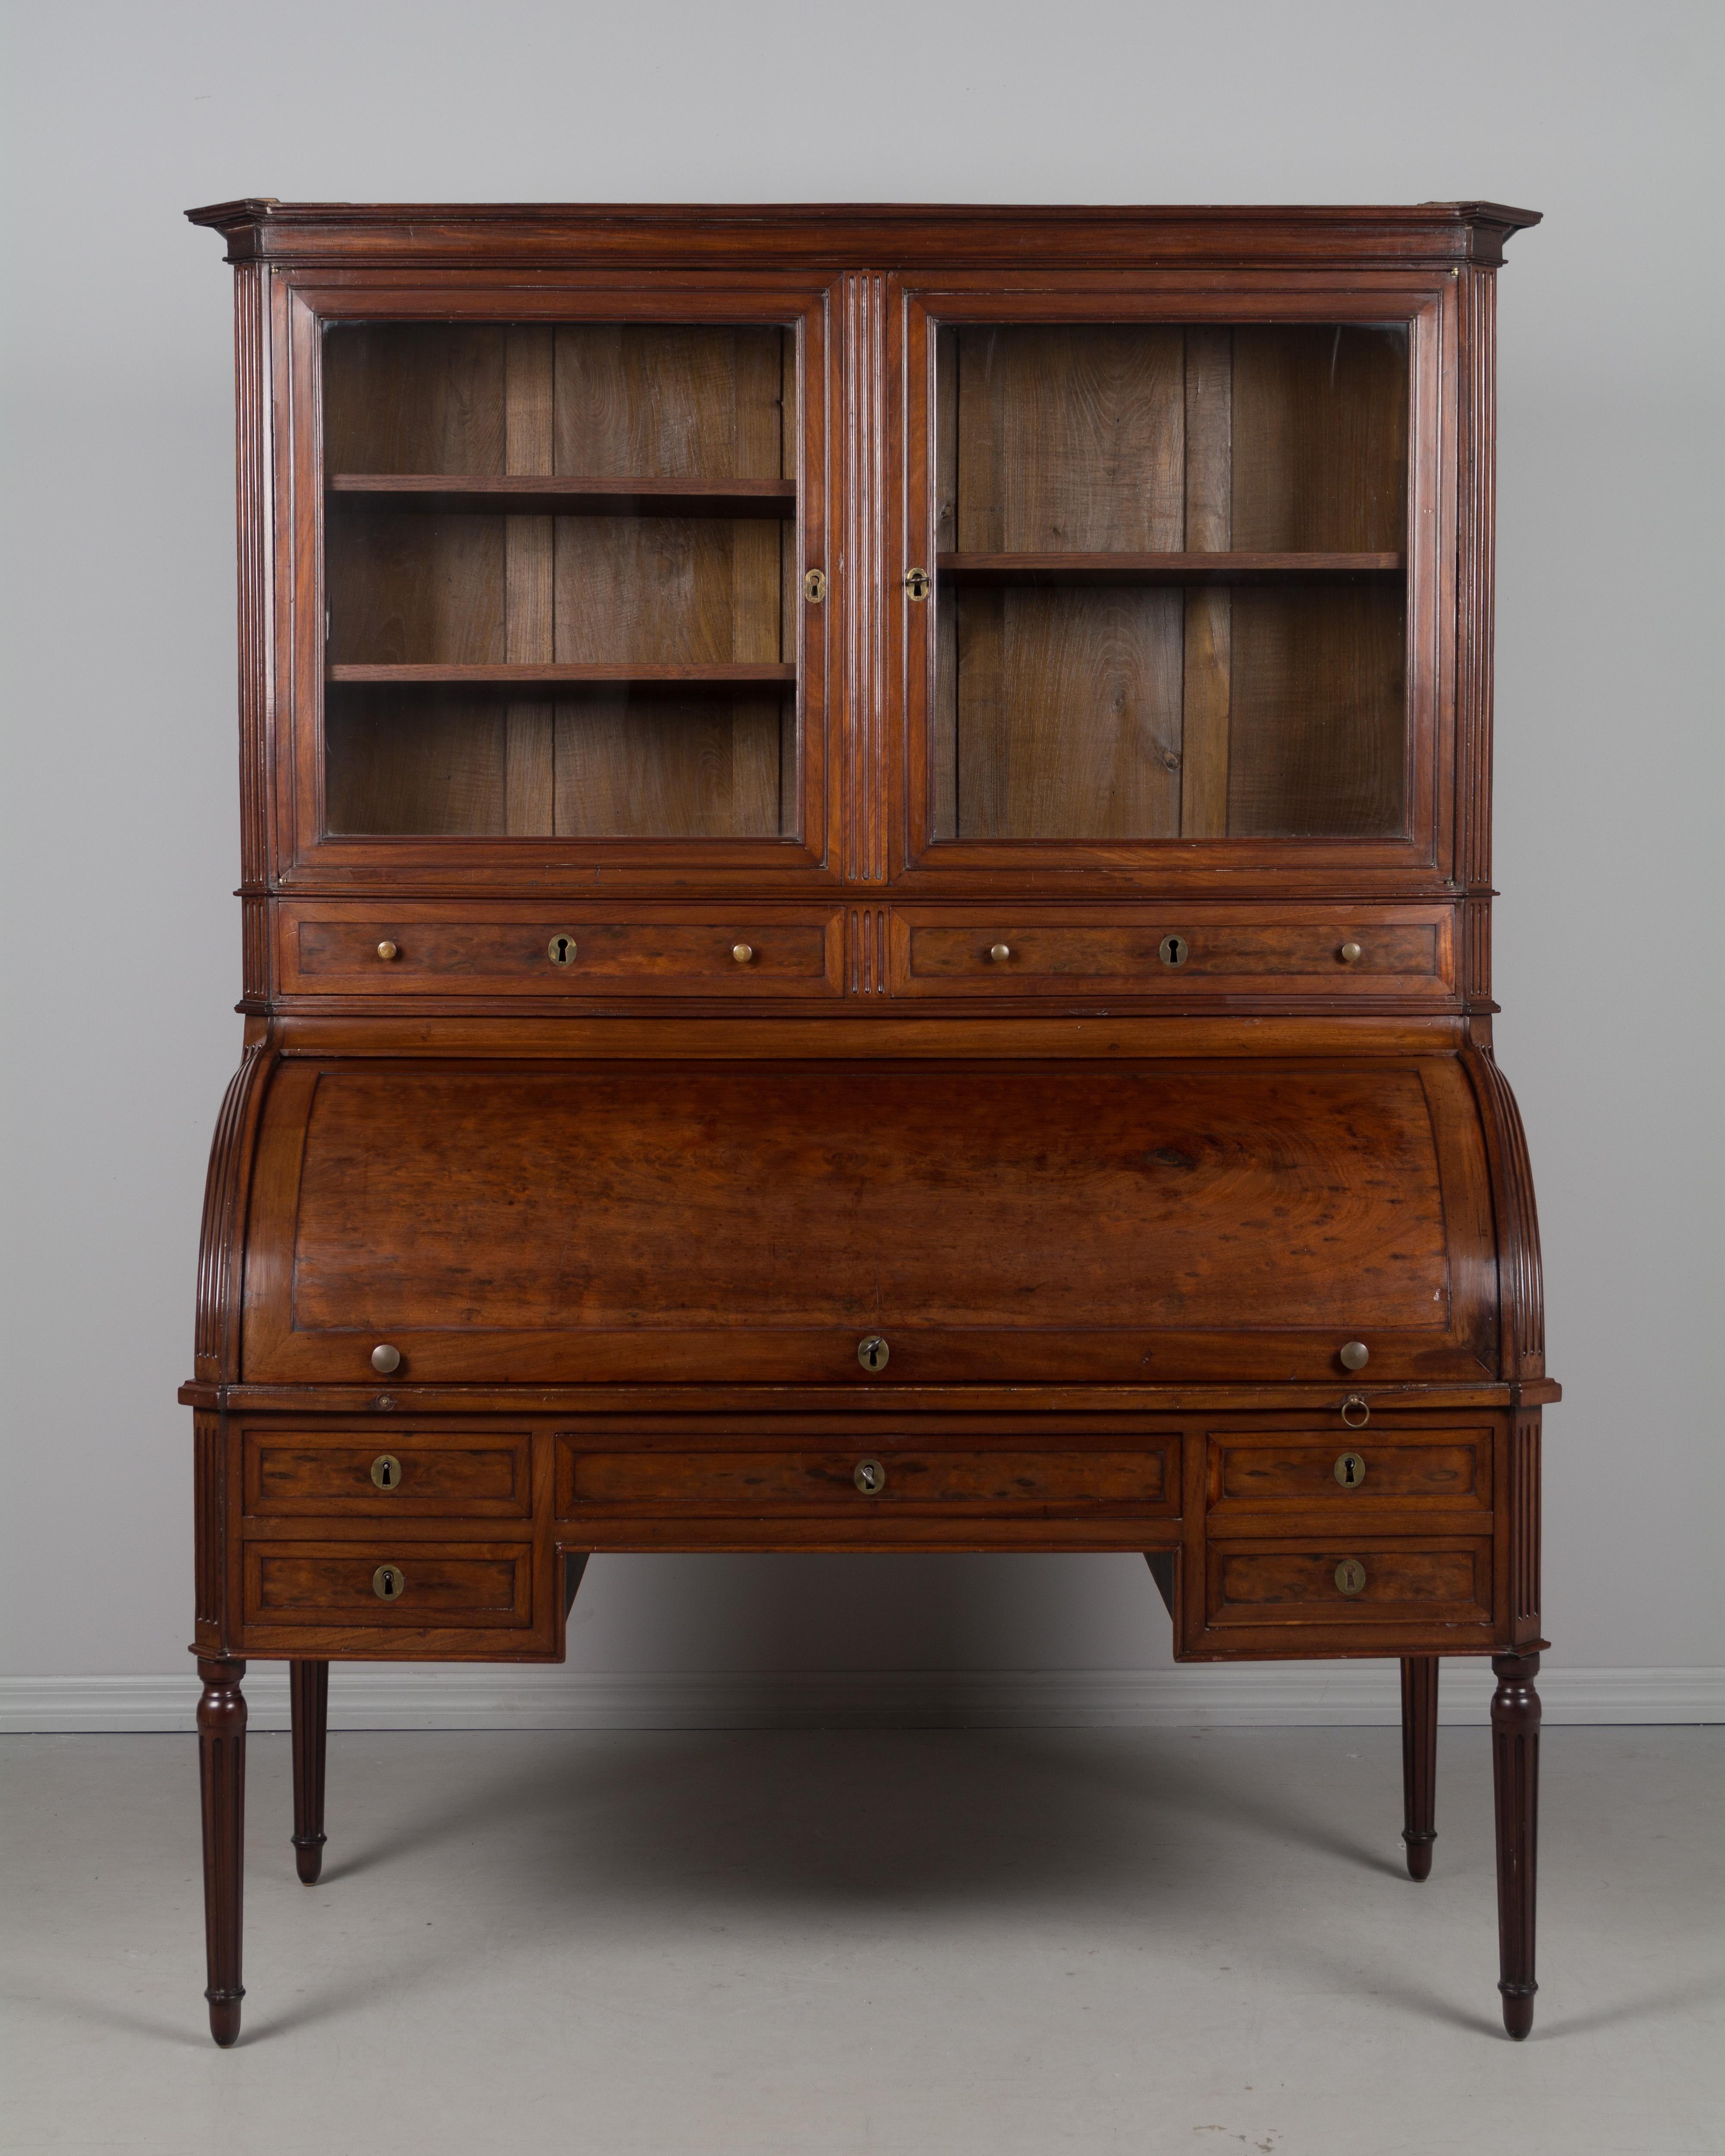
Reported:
(866, 901)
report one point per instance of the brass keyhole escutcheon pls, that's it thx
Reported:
(1350, 954)
(870, 1477)
(873, 1354)
(560, 949)
(1350, 1470)
(1350, 1575)
(1356, 1412)
(386, 950)
(385, 1472)
(918, 583)
(1174, 950)
(814, 586)
(1355, 1354)
(389, 1582)
(386, 1359)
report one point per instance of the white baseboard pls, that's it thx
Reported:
(1253, 1696)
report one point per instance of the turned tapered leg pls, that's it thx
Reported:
(221, 1760)
(309, 1692)
(1515, 1777)
(1420, 1698)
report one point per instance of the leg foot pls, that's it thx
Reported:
(1419, 1700)
(1515, 1776)
(221, 1760)
(309, 1693)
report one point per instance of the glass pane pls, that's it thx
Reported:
(1171, 582)
(610, 506)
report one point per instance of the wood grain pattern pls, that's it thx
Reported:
(1251, 1583)
(1317, 720)
(297, 1474)
(413, 589)
(1319, 437)
(1068, 714)
(401, 396)
(700, 768)
(1070, 439)
(330, 1582)
(1206, 662)
(530, 606)
(823, 1481)
(860, 1197)
(419, 760)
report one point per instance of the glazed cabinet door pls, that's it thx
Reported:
(1176, 580)
(558, 584)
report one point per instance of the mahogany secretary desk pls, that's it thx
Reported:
(866, 898)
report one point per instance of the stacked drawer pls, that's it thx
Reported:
(1351, 1531)
(422, 1538)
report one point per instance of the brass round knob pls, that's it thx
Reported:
(873, 1354)
(870, 1477)
(386, 1359)
(1355, 1355)
(1350, 1470)
(1000, 953)
(389, 1582)
(1356, 1412)
(386, 950)
(1350, 1575)
(742, 953)
(385, 1472)
(1350, 954)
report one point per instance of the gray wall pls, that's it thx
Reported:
(122, 945)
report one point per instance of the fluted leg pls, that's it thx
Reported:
(1514, 1775)
(221, 1759)
(1420, 1704)
(309, 1691)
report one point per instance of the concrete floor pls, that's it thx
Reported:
(939, 1943)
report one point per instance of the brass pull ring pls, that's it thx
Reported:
(1356, 1412)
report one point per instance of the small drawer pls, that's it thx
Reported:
(572, 951)
(1445, 1579)
(391, 1473)
(1383, 1471)
(1233, 951)
(414, 1584)
(869, 1474)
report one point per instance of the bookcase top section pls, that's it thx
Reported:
(871, 235)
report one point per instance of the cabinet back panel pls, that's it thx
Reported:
(709, 768)
(403, 396)
(1317, 726)
(1069, 438)
(402, 587)
(426, 761)
(1068, 714)
(668, 403)
(1320, 438)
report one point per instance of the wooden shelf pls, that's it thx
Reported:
(639, 680)
(516, 493)
(1213, 568)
